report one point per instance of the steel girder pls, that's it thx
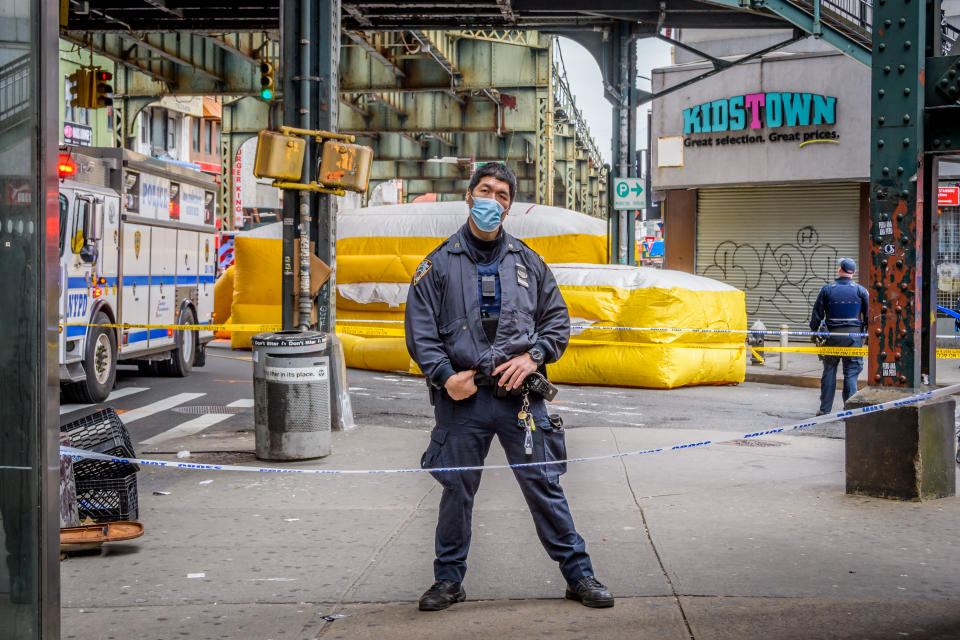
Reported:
(811, 21)
(184, 63)
(241, 120)
(468, 99)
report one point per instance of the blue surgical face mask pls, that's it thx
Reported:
(486, 213)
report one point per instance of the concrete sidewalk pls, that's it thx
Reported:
(739, 541)
(804, 369)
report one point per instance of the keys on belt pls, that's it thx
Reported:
(525, 422)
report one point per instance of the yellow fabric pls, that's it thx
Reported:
(223, 296)
(614, 357)
(379, 354)
(257, 270)
(223, 334)
(257, 286)
(696, 358)
(383, 259)
(252, 314)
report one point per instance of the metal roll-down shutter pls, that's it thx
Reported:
(778, 244)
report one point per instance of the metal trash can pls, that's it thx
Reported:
(291, 395)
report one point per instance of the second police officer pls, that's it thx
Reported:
(483, 313)
(842, 307)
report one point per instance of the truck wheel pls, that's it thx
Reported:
(99, 363)
(181, 358)
(200, 359)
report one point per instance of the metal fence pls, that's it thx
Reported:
(14, 91)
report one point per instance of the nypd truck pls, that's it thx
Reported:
(137, 246)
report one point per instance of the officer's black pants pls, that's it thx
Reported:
(462, 438)
(852, 366)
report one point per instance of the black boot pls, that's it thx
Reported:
(590, 592)
(441, 595)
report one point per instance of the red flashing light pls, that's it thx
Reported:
(97, 292)
(169, 333)
(66, 166)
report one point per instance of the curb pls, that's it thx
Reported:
(790, 379)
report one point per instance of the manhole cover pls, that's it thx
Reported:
(198, 410)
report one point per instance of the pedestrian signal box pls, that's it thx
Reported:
(345, 166)
(80, 88)
(279, 156)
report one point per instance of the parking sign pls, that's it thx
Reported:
(628, 194)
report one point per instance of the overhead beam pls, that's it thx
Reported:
(354, 106)
(429, 130)
(162, 6)
(430, 49)
(221, 41)
(806, 22)
(90, 40)
(170, 56)
(359, 39)
(356, 14)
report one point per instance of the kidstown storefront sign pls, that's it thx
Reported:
(759, 111)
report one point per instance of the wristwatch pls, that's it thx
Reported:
(536, 354)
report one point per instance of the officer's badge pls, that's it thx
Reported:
(422, 270)
(522, 276)
(136, 244)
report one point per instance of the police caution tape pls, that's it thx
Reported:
(396, 332)
(183, 327)
(79, 454)
(391, 332)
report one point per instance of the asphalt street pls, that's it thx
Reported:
(722, 542)
(219, 396)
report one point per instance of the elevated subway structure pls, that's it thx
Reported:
(434, 103)
(175, 47)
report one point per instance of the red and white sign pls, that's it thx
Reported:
(948, 196)
(19, 193)
(237, 191)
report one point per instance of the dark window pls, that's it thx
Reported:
(171, 135)
(196, 135)
(64, 209)
(208, 140)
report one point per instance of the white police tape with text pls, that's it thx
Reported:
(79, 454)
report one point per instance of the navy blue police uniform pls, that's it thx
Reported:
(842, 306)
(473, 305)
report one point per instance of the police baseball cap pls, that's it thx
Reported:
(847, 265)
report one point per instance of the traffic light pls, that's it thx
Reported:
(266, 80)
(80, 88)
(102, 93)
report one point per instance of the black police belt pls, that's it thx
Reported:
(535, 382)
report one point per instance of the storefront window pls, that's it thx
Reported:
(24, 230)
(948, 258)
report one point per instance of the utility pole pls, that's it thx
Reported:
(310, 34)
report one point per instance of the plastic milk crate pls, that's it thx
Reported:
(108, 500)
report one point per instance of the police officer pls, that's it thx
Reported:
(842, 307)
(484, 303)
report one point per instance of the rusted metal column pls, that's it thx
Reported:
(908, 452)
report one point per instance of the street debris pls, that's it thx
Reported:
(333, 616)
(183, 454)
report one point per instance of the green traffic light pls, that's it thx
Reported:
(266, 94)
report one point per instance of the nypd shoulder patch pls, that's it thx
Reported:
(422, 270)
